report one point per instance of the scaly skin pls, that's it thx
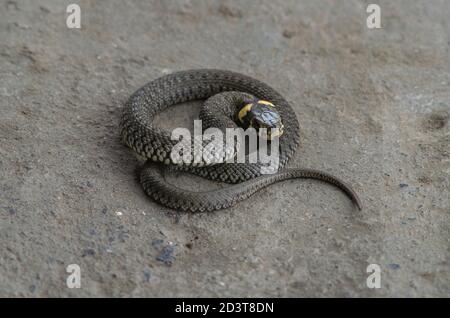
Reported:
(218, 111)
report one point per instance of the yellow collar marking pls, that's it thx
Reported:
(264, 102)
(243, 112)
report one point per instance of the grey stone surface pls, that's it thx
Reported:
(373, 107)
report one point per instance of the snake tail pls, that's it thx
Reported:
(171, 196)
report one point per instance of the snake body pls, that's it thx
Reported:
(223, 91)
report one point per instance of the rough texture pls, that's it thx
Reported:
(373, 107)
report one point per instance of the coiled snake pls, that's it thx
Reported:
(226, 93)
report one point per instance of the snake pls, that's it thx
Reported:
(231, 100)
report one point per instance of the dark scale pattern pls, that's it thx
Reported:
(218, 111)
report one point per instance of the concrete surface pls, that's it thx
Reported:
(373, 107)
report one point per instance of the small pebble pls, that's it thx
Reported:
(88, 252)
(166, 255)
(394, 266)
(147, 276)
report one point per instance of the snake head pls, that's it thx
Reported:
(263, 116)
